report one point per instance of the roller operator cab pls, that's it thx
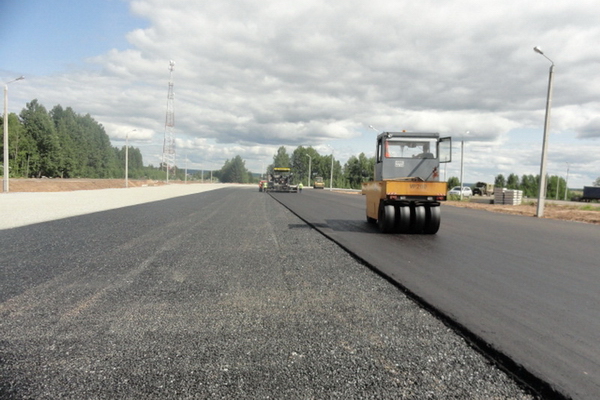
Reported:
(406, 193)
(318, 183)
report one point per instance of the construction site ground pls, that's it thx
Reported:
(569, 211)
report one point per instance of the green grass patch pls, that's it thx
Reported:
(456, 197)
(589, 208)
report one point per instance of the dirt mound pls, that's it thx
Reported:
(68, 185)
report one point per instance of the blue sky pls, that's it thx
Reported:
(252, 76)
(44, 37)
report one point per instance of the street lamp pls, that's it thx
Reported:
(127, 158)
(567, 181)
(462, 164)
(5, 123)
(542, 191)
(309, 170)
(371, 126)
(462, 167)
(331, 177)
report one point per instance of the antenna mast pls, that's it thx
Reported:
(169, 143)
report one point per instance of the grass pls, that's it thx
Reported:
(456, 197)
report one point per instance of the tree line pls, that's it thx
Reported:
(306, 160)
(302, 161)
(61, 143)
(529, 184)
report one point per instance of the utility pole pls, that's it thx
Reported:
(462, 166)
(542, 188)
(567, 181)
(169, 143)
(5, 123)
(309, 170)
(331, 178)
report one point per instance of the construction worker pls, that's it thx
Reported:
(300, 187)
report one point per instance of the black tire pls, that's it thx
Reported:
(417, 219)
(387, 218)
(433, 215)
(402, 219)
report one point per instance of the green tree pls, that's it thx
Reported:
(40, 127)
(512, 182)
(453, 181)
(596, 182)
(234, 171)
(500, 181)
(529, 185)
(66, 130)
(556, 187)
(358, 170)
(136, 162)
(102, 162)
(281, 159)
(299, 164)
(15, 133)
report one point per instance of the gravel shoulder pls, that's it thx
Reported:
(25, 208)
(228, 296)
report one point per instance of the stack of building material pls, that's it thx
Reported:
(505, 196)
(499, 195)
(513, 197)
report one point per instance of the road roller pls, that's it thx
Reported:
(406, 192)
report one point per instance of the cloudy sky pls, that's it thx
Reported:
(252, 75)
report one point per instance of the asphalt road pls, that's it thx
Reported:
(222, 294)
(526, 287)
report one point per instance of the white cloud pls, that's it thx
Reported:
(251, 76)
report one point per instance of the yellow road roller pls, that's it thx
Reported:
(406, 192)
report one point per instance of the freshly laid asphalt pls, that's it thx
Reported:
(220, 294)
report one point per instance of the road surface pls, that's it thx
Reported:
(527, 287)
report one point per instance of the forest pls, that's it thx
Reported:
(63, 144)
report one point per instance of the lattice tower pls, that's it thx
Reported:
(169, 143)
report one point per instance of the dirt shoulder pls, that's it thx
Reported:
(551, 210)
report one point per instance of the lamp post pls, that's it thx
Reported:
(542, 191)
(462, 167)
(127, 158)
(309, 170)
(371, 126)
(567, 181)
(462, 164)
(5, 123)
(331, 177)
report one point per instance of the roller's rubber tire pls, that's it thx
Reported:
(433, 216)
(402, 219)
(387, 218)
(417, 219)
